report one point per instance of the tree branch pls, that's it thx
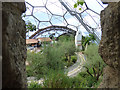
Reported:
(88, 71)
(94, 72)
(98, 74)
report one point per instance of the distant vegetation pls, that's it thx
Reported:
(51, 61)
(52, 57)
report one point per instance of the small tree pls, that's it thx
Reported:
(87, 40)
(93, 62)
(67, 43)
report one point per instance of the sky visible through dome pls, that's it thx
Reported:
(44, 13)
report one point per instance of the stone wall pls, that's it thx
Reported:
(13, 46)
(109, 48)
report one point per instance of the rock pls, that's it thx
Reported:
(110, 78)
(109, 48)
(13, 46)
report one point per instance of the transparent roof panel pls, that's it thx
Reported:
(36, 2)
(72, 27)
(44, 13)
(29, 9)
(55, 7)
(95, 5)
(58, 20)
(72, 20)
(32, 20)
(91, 19)
(44, 24)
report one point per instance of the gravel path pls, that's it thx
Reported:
(76, 68)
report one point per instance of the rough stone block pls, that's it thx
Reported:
(13, 46)
(109, 48)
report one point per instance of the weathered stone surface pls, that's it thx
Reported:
(13, 46)
(109, 45)
(109, 48)
(110, 78)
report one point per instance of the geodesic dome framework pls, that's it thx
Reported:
(54, 28)
(50, 13)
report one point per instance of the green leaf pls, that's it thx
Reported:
(75, 5)
(24, 15)
(80, 8)
(81, 2)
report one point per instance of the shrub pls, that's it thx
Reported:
(64, 59)
(57, 79)
(94, 63)
(29, 71)
(69, 64)
(66, 38)
(50, 64)
(51, 57)
(87, 40)
(34, 84)
(73, 59)
(38, 64)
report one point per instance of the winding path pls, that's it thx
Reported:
(76, 68)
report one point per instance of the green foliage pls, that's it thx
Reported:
(94, 63)
(51, 57)
(29, 71)
(52, 36)
(79, 2)
(34, 85)
(64, 59)
(73, 59)
(51, 62)
(68, 48)
(38, 64)
(67, 44)
(93, 57)
(68, 63)
(57, 79)
(87, 40)
(84, 80)
(24, 15)
(75, 5)
(66, 38)
(30, 27)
